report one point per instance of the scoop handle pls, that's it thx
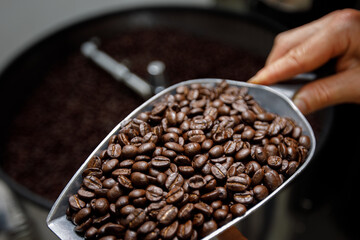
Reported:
(289, 88)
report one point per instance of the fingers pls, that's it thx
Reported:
(340, 88)
(305, 57)
(292, 38)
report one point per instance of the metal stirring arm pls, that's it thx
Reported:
(119, 71)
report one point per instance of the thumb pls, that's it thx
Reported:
(342, 87)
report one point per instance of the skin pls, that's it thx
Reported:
(303, 49)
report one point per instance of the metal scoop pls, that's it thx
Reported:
(268, 98)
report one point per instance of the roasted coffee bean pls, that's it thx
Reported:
(191, 149)
(129, 151)
(91, 233)
(126, 210)
(114, 193)
(207, 228)
(238, 209)
(199, 161)
(130, 235)
(185, 212)
(220, 214)
(186, 171)
(146, 227)
(257, 177)
(238, 183)
(170, 137)
(109, 183)
(125, 182)
(95, 162)
(272, 180)
(108, 238)
(85, 195)
(167, 214)
(174, 179)
(92, 182)
(169, 232)
(210, 196)
(246, 197)
(154, 193)
(305, 141)
(82, 215)
(260, 192)
(122, 201)
(84, 226)
(102, 206)
(207, 144)
(219, 171)
(204, 208)
(140, 166)
(174, 146)
(114, 150)
(216, 151)
(274, 161)
(242, 154)
(146, 148)
(198, 220)
(197, 182)
(175, 195)
(139, 180)
(136, 218)
(160, 162)
(111, 229)
(182, 160)
(185, 230)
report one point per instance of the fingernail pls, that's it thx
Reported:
(300, 104)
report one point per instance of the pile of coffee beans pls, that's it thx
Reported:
(200, 158)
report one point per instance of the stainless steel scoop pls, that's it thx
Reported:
(270, 99)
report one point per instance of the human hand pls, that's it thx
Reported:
(303, 49)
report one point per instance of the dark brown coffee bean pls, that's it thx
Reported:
(199, 161)
(260, 192)
(114, 150)
(174, 179)
(305, 141)
(198, 220)
(238, 183)
(185, 212)
(136, 218)
(169, 232)
(140, 166)
(210, 196)
(126, 210)
(274, 162)
(129, 151)
(182, 160)
(125, 182)
(91, 233)
(191, 149)
(292, 168)
(186, 171)
(94, 162)
(92, 182)
(154, 193)
(175, 195)
(84, 226)
(204, 208)
(85, 195)
(130, 235)
(108, 238)
(197, 182)
(146, 148)
(160, 162)
(185, 230)
(220, 214)
(146, 227)
(154, 235)
(174, 146)
(170, 137)
(238, 209)
(139, 180)
(207, 144)
(219, 171)
(121, 202)
(207, 228)
(109, 183)
(82, 215)
(242, 154)
(216, 151)
(246, 197)
(102, 206)
(257, 177)
(167, 214)
(114, 193)
(197, 136)
(111, 229)
(272, 180)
